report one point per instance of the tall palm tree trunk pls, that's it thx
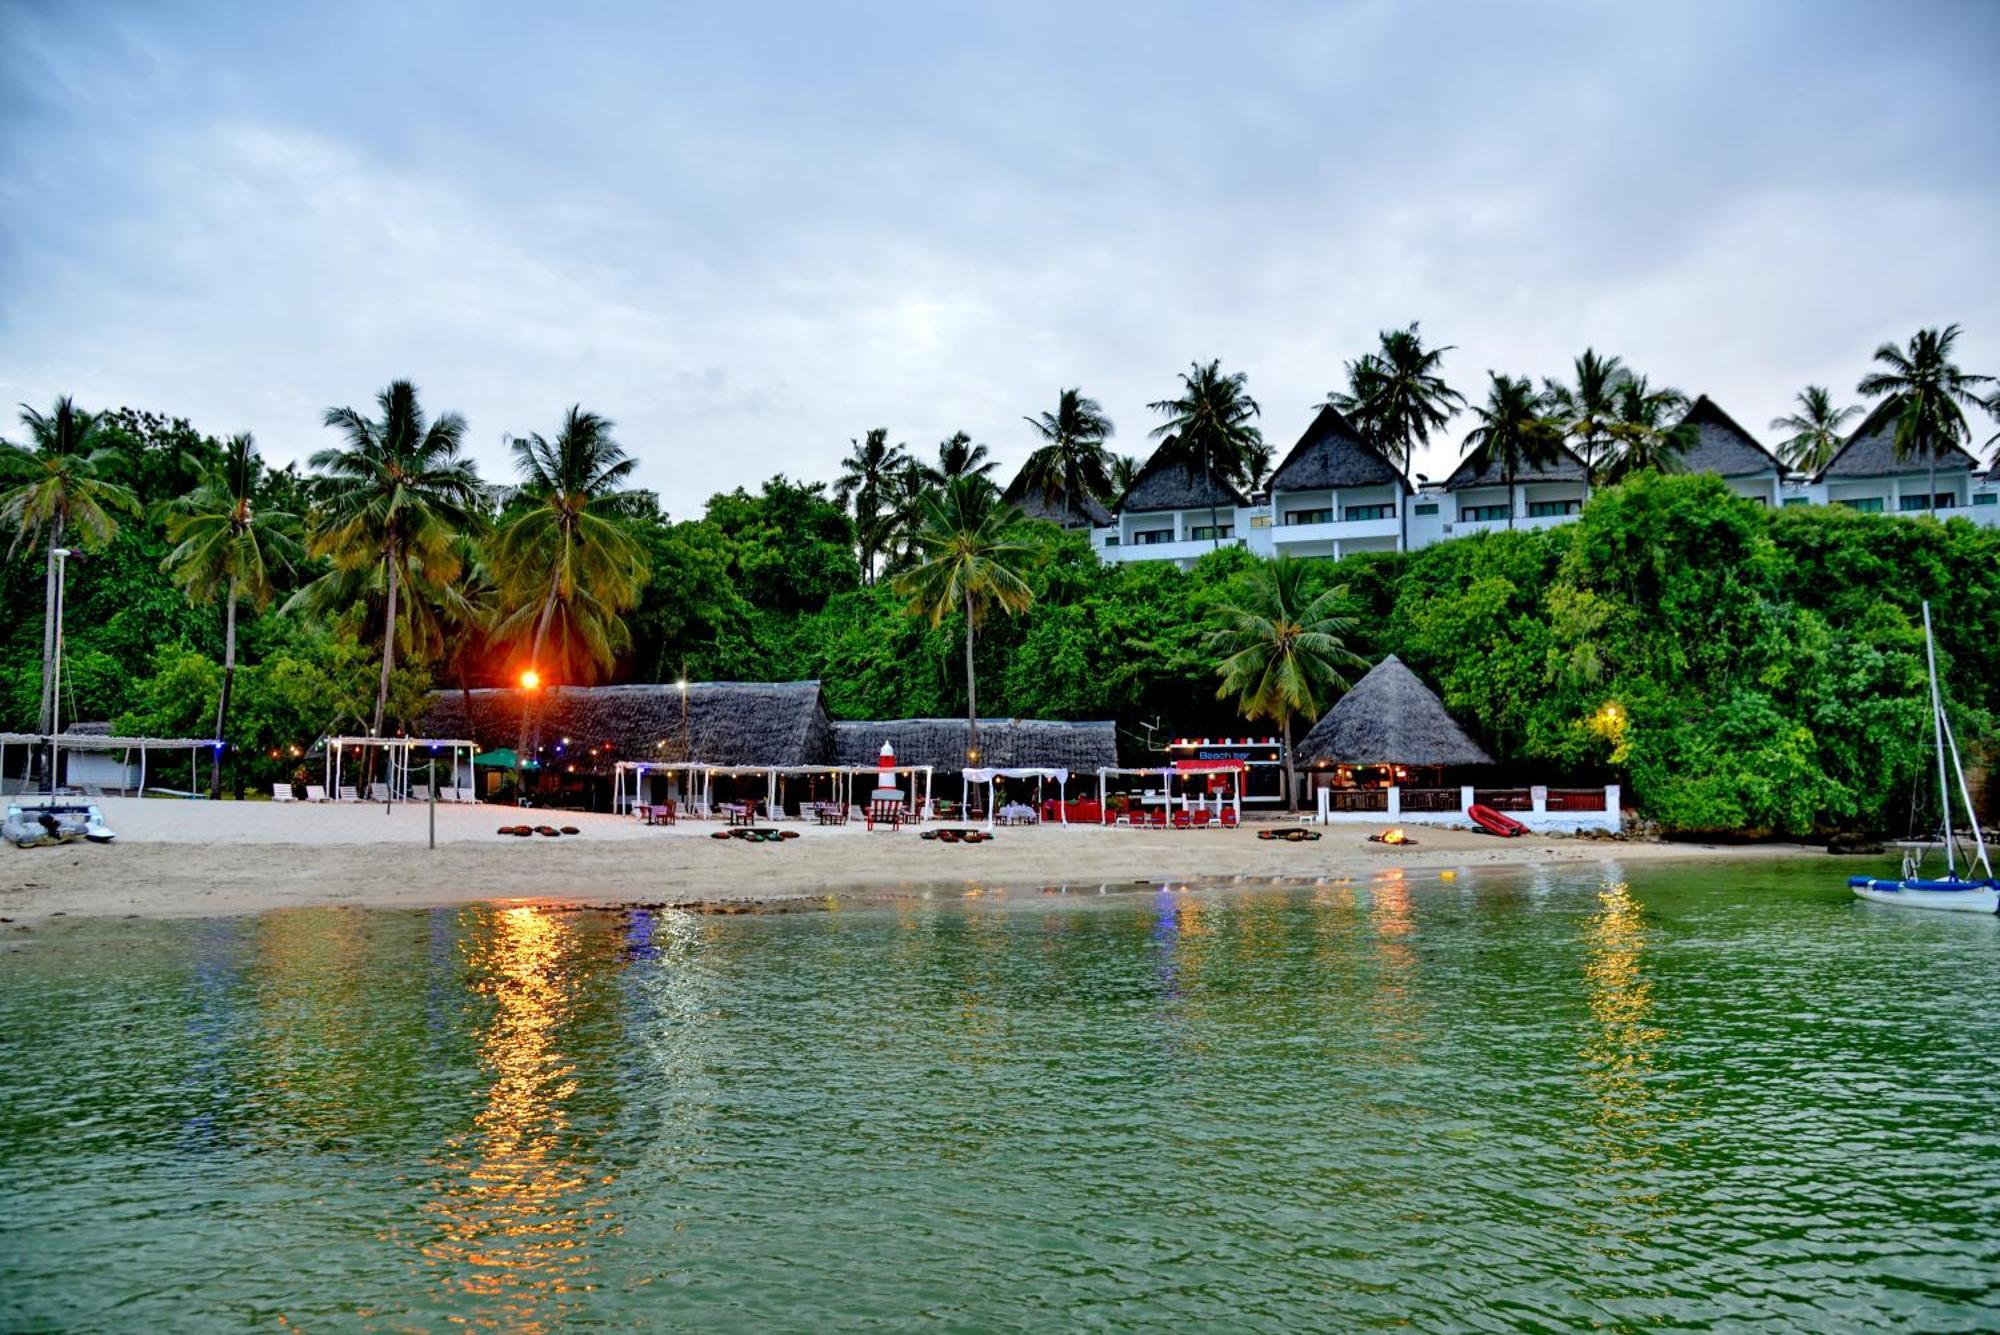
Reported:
(1931, 498)
(531, 707)
(47, 715)
(971, 689)
(1508, 478)
(388, 666)
(1291, 768)
(222, 701)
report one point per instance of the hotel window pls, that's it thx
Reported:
(1987, 498)
(1480, 514)
(1429, 509)
(1945, 500)
(1867, 505)
(1111, 541)
(1260, 521)
(1204, 533)
(1152, 537)
(1550, 509)
(1357, 512)
(1309, 516)
(1797, 500)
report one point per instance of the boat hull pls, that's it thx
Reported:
(1949, 896)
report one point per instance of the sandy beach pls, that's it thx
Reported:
(198, 859)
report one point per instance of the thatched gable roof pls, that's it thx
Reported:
(727, 723)
(1993, 473)
(1080, 748)
(1083, 510)
(1390, 718)
(1566, 467)
(1332, 453)
(1871, 450)
(1721, 445)
(1163, 484)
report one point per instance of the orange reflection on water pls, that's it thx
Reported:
(1618, 1055)
(517, 1212)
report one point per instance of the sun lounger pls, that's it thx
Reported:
(420, 792)
(315, 793)
(282, 792)
(348, 793)
(378, 792)
(464, 795)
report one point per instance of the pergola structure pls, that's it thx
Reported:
(400, 753)
(699, 778)
(84, 741)
(1182, 769)
(991, 777)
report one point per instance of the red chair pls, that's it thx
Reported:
(1182, 821)
(1159, 820)
(1229, 818)
(1201, 818)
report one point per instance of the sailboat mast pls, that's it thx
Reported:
(1965, 794)
(1937, 730)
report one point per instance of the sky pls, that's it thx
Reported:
(748, 233)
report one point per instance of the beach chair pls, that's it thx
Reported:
(885, 813)
(1157, 820)
(315, 793)
(282, 792)
(464, 795)
(1229, 818)
(348, 793)
(378, 791)
(420, 792)
(1201, 818)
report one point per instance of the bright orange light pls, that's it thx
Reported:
(1395, 836)
(530, 679)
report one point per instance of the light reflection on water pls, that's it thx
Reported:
(1526, 1100)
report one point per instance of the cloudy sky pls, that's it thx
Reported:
(749, 232)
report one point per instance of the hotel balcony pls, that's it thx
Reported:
(1336, 537)
(1188, 549)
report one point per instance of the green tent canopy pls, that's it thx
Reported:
(504, 758)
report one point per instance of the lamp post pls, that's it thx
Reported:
(531, 684)
(62, 555)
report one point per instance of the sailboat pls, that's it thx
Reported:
(1965, 894)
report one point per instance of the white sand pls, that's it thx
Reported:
(199, 858)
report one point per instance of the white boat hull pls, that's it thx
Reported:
(1972, 899)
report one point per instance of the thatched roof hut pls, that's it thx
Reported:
(1871, 450)
(1721, 445)
(1081, 511)
(1164, 483)
(1390, 718)
(1564, 467)
(1333, 453)
(727, 722)
(1080, 748)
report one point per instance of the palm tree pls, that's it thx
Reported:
(1815, 430)
(392, 497)
(1645, 441)
(1930, 390)
(1071, 460)
(867, 474)
(1397, 395)
(959, 457)
(55, 487)
(224, 545)
(1208, 429)
(1589, 407)
(971, 563)
(564, 565)
(1123, 471)
(1257, 466)
(1513, 434)
(1283, 652)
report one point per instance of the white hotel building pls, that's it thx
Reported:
(1334, 494)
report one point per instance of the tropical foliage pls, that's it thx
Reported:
(1397, 395)
(1814, 431)
(1209, 429)
(1931, 394)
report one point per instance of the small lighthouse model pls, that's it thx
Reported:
(885, 777)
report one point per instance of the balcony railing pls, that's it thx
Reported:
(1359, 799)
(1430, 799)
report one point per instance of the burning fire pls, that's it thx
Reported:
(1395, 836)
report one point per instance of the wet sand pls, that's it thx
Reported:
(179, 858)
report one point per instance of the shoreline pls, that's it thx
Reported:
(197, 859)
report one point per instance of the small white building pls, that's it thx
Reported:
(1173, 513)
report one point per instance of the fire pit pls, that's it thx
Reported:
(1393, 836)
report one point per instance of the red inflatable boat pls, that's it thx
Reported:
(1491, 821)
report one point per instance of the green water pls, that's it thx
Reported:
(1689, 1097)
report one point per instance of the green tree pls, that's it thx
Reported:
(1815, 430)
(1071, 461)
(392, 497)
(1930, 392)
(957, 456)
(1513, 435)
(868, 475)
(1209, 428)
(1645, 440)
(1397, 395)
(1124, 471)
(54, 486)
(1283, 650)
(226, 546)
(1588, 407)
(565, 568)
(970, 562)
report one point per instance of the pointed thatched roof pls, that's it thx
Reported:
(1871, 450)
(1079, 748)
(727, 722)
(1083, 510)
(1332, 453)
(1566, 467)
(1163, 484)
(1390, 718)
(1722, 446)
